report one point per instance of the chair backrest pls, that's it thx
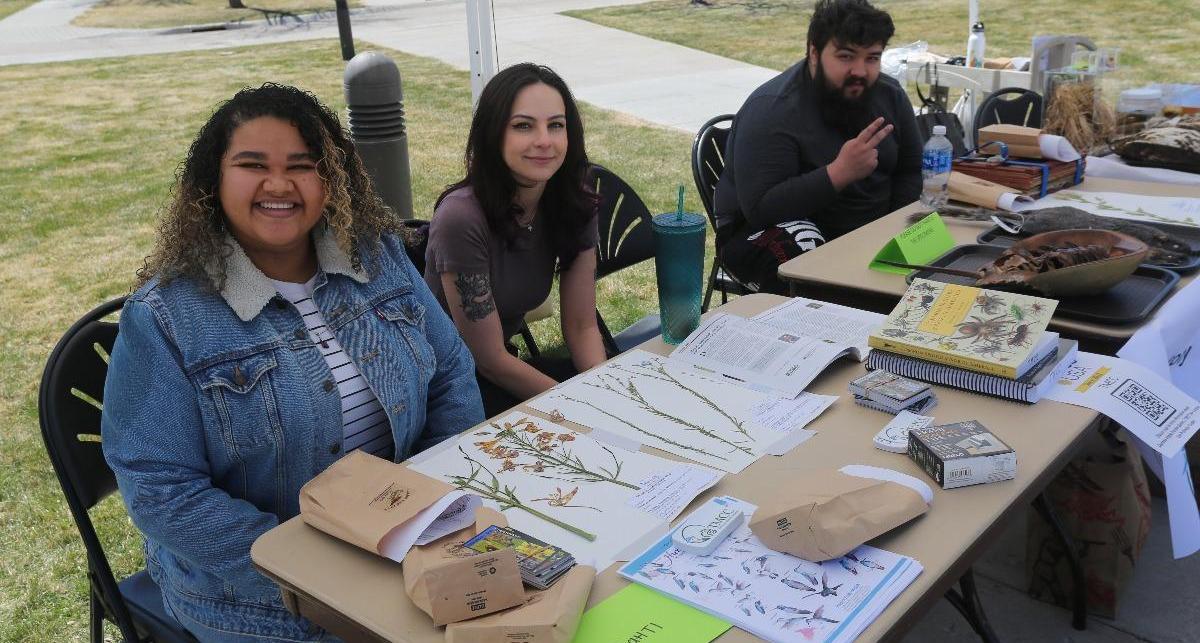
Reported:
(626, 233)
(416, 240)
(708, 159)
(1010, 106)
(69, 400)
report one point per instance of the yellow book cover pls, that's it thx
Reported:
(988, 331)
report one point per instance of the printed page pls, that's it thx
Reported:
(823, 320)
(773, 595)
(757, 355)
(1148, 406)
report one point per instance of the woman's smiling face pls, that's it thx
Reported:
(270, 190)
(535, 142)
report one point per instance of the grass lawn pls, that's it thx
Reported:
(1156, 37)
(83, 175)
(156, 14)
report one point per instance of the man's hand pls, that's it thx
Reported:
(859, 155)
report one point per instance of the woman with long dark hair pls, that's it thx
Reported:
(522, 213)
(277, 325)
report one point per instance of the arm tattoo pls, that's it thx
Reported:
(476, 294)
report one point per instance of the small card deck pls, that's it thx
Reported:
(541, 563)
(883, 391)
(961, 454)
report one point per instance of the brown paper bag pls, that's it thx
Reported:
(451, 583)
(1022, 142)
(977, 191)
(361, 498)
(831, 513)
(549, 616)
(1103, 502)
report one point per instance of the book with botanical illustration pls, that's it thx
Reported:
(987, 331)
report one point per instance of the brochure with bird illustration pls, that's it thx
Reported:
(773, 595)
(987, 331)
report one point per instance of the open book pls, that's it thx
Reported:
(781, 350)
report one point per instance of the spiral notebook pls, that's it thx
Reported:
(1029, 388)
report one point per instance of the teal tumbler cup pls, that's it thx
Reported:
(679, 267)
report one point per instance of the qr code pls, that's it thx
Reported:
(1151, 406)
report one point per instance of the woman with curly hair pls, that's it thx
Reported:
(498, 236)
(277, 325)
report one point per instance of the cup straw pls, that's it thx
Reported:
(679, 204)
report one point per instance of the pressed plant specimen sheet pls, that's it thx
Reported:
(599, 502)
(645, 398)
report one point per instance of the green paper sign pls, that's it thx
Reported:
(921, 242)
(641, 614)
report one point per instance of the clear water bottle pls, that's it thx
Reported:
(935, 168)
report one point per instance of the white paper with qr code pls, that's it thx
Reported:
(1147, 405)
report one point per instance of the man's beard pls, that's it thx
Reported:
(849, 116)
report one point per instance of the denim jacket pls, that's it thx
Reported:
(218, 408)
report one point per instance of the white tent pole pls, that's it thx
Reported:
(481, 44)
(972, 14)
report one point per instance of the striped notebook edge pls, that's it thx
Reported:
(1029, 389)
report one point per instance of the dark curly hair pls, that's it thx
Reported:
(849, 22)
(567, 195)
(192, 228)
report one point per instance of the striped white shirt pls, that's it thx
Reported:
(364, 423)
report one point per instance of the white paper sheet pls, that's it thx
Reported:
(650, 399)
(1164, 346)
(773, 595)
(894, 437)
(785, 414)
(889, 475)
(522, 461)
(757, 355)
(667, 493)
(1138, 207)
(452, 512)
(823, 320)
(1148, 406)
(1057, 148)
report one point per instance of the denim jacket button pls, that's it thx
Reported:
(334, 448)
(329, 384)
(299, 334)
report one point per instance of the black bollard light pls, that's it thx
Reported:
(376, 107)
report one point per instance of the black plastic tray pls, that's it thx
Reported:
(1130, 301)
(1190, 235)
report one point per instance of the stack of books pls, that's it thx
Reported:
(1032, 178)
(981, 340)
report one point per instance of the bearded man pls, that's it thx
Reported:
(821, 149)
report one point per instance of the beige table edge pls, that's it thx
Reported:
(842, 263)
(358, 586)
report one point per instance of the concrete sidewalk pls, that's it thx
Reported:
(655, 81)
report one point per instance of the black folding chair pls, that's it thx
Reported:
(626, 239)
(69, 403)
(708, 161)
(1009, 106)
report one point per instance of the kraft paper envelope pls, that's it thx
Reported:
(981, 192)
(550, 615)
(451, 583)
(1022, 142)
(382, 506)
(831, 513)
